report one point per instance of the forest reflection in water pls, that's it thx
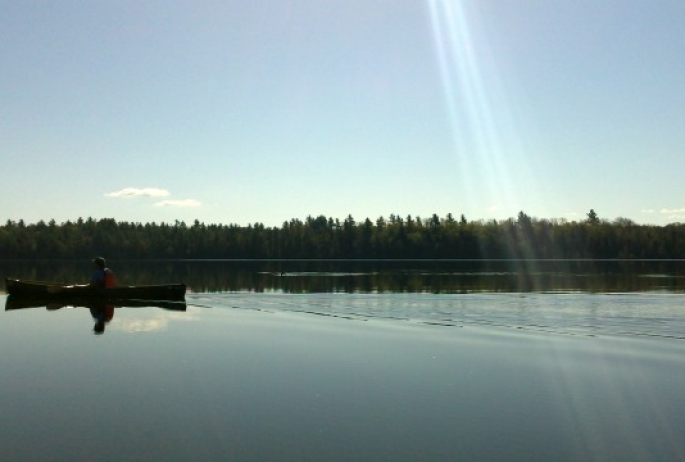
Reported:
(374, 276)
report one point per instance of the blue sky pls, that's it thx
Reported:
(237, 111)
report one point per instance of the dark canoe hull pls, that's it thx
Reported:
(55, 291)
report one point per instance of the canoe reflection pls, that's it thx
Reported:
(102, 311)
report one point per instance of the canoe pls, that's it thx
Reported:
(57, 291)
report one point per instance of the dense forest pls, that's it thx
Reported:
(327, 238)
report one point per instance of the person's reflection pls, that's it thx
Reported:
(102, 314)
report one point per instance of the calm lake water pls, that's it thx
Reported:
(353, 361)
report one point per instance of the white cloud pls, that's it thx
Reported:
(137, 192)
(667, 214)
(672, 211)
(154, 192)
(179, 203)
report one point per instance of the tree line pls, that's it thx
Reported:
(321, 237)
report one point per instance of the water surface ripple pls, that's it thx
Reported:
(622, 314)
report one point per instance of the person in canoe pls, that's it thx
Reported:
(102, 276)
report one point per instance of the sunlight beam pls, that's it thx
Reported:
(469, 97)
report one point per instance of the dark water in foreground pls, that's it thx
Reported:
(353, 367)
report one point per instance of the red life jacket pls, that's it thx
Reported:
(109, 278)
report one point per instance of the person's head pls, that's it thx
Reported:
(99, 262)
